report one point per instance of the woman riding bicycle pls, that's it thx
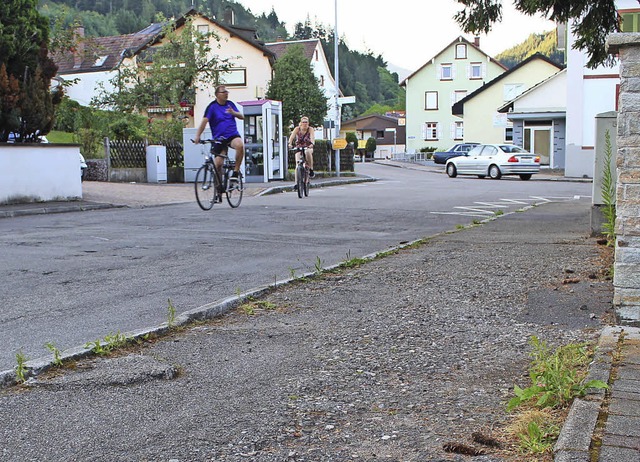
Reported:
(302, 137)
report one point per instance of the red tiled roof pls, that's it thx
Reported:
(113, 48)
(280, 48)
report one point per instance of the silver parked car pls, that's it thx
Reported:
(494, 160)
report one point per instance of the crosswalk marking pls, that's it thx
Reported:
(484, 209)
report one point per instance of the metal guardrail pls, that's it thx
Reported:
(409, 157)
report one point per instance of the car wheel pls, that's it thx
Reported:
(451, 170)
(525, 177)
(494, 172)
(482, 176)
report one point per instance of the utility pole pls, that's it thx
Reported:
(337, 78)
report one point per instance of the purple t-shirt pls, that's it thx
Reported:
(223, 124)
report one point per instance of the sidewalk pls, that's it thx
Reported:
(166, 402)
(101, 195)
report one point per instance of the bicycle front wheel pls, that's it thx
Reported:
(300, 180)
(306, 183)
(234, 192)
(205, 187)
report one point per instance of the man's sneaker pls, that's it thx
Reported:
(311, 174)
(234, 182)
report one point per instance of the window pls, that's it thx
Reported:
(316, 54)
(430, 100)
(475, 71)
(203, 31)
(489, 151)
(322, 80)
(379, 133)
(630, 22)
(508, 134)
(457, 129)
(461, 51)
(458, 95)
(446, 72)
(234, 78)
(430, 131)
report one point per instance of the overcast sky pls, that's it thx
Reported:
(407, 33)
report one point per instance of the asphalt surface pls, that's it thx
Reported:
(602, 423)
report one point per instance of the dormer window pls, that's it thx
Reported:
(100, 61)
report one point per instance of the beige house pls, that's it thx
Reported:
(479, 109)
(248, 79)
(456, 71)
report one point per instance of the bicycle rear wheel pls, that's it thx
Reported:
(300, 180)
(205, 185)
(234, 191)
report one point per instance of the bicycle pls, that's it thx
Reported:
(302, 173)
(211, 182)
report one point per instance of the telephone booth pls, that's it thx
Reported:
(264, 156)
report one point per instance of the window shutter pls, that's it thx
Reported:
(469, 71)
(484, 71)
(439, 130)
(424, 131)
(438, 71)
(453, 131)
(453, 71)
(453, 98)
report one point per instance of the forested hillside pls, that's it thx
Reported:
(545, 44)
(361, 74)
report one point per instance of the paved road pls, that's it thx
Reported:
(76, 277)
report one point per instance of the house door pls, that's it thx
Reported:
(538, 140)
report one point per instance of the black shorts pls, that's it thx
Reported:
(223, 144)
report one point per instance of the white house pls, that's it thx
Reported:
(312, 49)
(590, 92)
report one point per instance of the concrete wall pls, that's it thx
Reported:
(39, 172)
(627, 257)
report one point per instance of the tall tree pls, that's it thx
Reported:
(24, 35)
(593, 20)
(294, 84)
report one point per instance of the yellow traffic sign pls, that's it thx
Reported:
(339, 143)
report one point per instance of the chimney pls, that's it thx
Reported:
(476, 41)
(78, 49)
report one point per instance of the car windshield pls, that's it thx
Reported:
(511, 149)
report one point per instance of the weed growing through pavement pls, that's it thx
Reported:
(110, 342)
(292, 273)
(21, 368)
(250, 307)
(171, 314)
(459, 226)
(57, 360)
(476, 222)
(536, 430)
(352, 262)
(319, 265)
(557, 377)
(498, 213)
(608, 191)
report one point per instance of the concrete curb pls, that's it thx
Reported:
(574, 442)
(335, 182)
(55, 209)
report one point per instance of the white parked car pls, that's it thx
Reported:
(494, 161)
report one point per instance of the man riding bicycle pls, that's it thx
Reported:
(220, 114)
(302, 137)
